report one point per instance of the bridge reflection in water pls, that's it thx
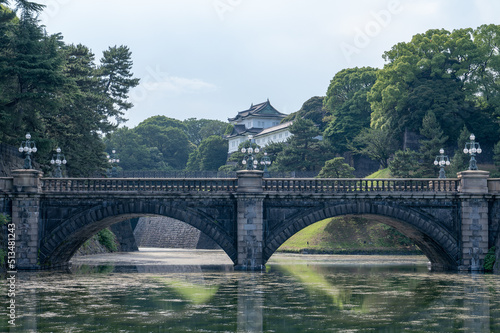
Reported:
(453, 221)
(299, 297)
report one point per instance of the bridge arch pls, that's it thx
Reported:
(435, 241)
(57, 248)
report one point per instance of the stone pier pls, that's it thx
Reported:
(250, 223)
(25, 216)
(474, 196)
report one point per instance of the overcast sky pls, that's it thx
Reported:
(212, 58)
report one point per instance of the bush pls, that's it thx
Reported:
(489, 260)
(3, 253)
(107, 239)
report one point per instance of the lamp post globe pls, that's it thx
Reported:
(442, 161)
(27, 147)
(251, 161)
(113, 160)
(472, 148)
(58, 160)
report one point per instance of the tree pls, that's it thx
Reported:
(57, 92)
(429, 147)
(210, 155)
(134, 155)
(346, 102)
(336, 168)
(460, 161)
(162, 121)
(303, 151)
(117, 80)
(377, 144)
(31, 73)
(172, 142)
(404, 164)
(496, 155)
(199, 129)
(313, 110)
(450, 73)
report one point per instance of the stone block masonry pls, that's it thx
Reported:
(251, 216)
(165, 232)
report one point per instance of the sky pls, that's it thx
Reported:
(212, 58)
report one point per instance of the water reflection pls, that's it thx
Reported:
(291, 296)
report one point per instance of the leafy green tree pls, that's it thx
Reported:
(162, 121)
(212, 153)
(134, 155)
(199, 129)
(450, 73)
(404, 164)
(377, 144)
(346, 102)
(336, 168)
(172, 142)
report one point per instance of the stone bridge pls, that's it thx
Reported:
(453, 221)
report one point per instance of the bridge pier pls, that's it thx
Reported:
(25, 216)
(250, 221)
(474, 212)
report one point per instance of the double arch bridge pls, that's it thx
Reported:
(453, 221)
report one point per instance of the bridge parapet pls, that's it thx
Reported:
(6, 184)
(494, 185)
(139, 185)
(335, 185)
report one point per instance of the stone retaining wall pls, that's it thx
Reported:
(165, 232)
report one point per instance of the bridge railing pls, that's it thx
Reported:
(138, 185)
(336, 185)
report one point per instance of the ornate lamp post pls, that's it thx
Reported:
(265, 162)
(249, 159)
(58, 159)
(113, 159)
(472, 148)
(27, 147)
(442, 161)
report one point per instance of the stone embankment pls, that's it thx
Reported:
(165, 232)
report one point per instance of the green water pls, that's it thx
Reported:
(293, 295)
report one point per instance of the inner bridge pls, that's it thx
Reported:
(453, 221)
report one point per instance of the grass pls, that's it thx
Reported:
(382, 173)
(349, 235)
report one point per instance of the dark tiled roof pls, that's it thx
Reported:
(240, 130)
(262, 110)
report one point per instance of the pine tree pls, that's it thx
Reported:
(404, 164)
(117, 80)
(30, 72)
(336, 168)
(429, 147)
(460, 161)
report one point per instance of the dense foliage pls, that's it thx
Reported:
(438, 87)
(57, 92)
(453, 74)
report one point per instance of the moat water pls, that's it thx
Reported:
(198, 291)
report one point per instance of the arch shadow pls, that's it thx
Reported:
(436, 242)
(57, 248)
